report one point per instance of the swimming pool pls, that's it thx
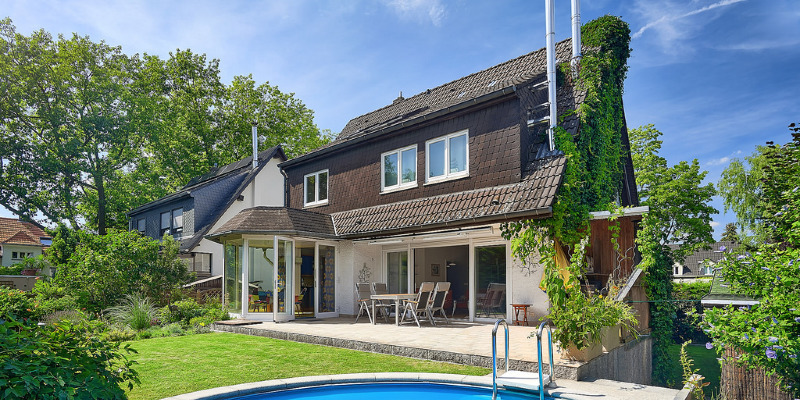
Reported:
(388, 391)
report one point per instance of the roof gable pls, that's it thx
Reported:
(15, 231)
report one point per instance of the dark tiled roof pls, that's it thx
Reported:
(513, 72)
(15, 231)
(532, 196)
(694, 261)
(278, 220)
(238, 167)
(474, 88)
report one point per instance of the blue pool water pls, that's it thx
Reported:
(389, 391)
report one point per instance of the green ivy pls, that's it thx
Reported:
(592, 181)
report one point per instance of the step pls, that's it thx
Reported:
(522, 380)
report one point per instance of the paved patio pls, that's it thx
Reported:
(457, 342)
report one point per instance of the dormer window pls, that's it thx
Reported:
(315, 189)
(447, 157)
(171, 222)
(141, 225)
(399, 169)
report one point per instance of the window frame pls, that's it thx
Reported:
(447, 174)
(173, 228)
(170, 229)
(400, 185)
(317, 201)
(141, 229)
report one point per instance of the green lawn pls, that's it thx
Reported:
(175, 365)
(705, 360)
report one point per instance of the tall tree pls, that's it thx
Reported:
(679, 202)
(67, 125)
(730, 233)
(88, 133)
(741, 186)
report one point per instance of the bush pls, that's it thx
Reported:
(15, 269)
(62, 361)
(17, 304)
(135, 312)
(72, 316)
(189, 313)
(104, 269)
(687, 327)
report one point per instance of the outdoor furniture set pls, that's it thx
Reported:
(430, 298)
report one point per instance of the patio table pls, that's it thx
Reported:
(397, 297)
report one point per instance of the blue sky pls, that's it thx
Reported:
(717, 77)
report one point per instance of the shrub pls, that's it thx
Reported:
(687, 327)
(72, 316)
(62, 361)
(136, 312)
(188, 312)
(15, 269)
(17, 304)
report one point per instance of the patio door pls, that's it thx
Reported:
(283, 303)
(490, 281)
(397, 272)
(325, 281)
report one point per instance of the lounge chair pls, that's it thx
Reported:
(384, 306)
(492, 303)
(364, 300)
(420, 305)
(438, 300)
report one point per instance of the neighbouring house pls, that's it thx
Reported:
(701, 264)
(417, 191)
(21, 239)
(207, 201)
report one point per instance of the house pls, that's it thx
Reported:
(190, 213)
(21, 239)
(417, 191)
(700, 264)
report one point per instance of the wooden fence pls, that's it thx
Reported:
(738, 382)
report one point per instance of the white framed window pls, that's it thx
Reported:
(447, 157)
(141, 225)
(315, 188)
(399, 169)
(171, 222)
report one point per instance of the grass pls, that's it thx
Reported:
(704, 360)
(174, 365)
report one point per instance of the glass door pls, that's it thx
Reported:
(490, 281)
(283, 304)
(325, 281)
(261, 275)
(232, 289)
(397, 272)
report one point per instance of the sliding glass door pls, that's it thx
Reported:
(284, 280)
(397, 272)
(326, 280)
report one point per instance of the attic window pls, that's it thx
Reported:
(315, 189)
(460, 95)
(494, 82)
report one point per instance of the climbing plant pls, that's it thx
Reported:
(592, 181)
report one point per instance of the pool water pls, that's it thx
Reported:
(389, 391)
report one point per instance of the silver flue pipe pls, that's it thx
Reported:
(255, 144)
(576, 34)
(549, 7)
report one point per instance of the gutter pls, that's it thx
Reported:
(405, 124)
(215, 237)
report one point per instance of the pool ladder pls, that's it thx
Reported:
(522, 379)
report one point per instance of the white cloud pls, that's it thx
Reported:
(759, 45)
(714, 224)
(664, 22)
(421, 10)
(719, 161)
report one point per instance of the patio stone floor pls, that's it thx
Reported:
(458, 342)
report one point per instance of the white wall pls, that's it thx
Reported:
(267, 189)
(8, 248)
(525, 289)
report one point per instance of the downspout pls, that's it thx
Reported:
(285, 188)
(576, 36)
(549, 8)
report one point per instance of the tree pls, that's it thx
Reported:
(68, 124)
(88, 133)
(678, 200)
(730, 233)
(679, 213)
(741, 186)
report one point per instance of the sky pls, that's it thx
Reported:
(717, 77)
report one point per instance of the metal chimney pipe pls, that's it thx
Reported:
(255, 144)
(549, 9)
(576, 35)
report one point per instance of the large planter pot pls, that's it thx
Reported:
(585, 354)
(610, 337)
(30, 271)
